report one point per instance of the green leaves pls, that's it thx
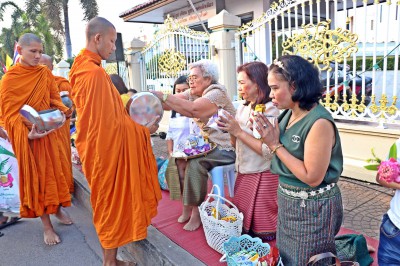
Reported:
(6, 152)
(374, 162)
(372, 167)
(2, 164)
(393, 151)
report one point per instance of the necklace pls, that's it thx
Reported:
(297, 118)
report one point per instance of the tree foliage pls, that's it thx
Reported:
(34, 20)
(56, 11)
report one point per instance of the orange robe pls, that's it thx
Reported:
(116, 155)
(64, 137)
(43, 187)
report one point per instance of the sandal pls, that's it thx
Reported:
(8, 221)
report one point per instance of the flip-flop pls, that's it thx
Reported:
(9, 221)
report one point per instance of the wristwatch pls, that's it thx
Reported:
(164, 97)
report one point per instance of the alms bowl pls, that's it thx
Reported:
(29, 113)
(43, 120)
(145, 107)
(65, 99)
(52, 118)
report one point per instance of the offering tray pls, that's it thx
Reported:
(213, 146)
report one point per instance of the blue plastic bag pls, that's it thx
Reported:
(162, 167)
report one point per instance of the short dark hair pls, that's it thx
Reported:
(180, 80)
(258, 74)
(132, 90)
(301, 74)
(119, 83)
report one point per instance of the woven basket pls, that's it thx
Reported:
(219, 231)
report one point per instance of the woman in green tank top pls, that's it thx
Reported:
(308, 159)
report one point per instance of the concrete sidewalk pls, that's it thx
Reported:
(22, 243)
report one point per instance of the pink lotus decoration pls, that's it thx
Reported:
(6, 181)
(388, 170)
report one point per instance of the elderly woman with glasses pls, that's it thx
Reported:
(202, 102)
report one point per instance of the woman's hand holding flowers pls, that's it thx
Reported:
(388, 170)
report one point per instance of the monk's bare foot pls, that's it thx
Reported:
(187, 210)
(63, 217)
(50, 237)
(194, 221)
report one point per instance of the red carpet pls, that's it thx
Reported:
(195, 242)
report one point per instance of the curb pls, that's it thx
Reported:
(156, 249)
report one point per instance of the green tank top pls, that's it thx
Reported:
(293, 140)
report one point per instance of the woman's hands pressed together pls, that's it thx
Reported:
(269, 132)
(227, 122)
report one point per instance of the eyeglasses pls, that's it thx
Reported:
(192, 79)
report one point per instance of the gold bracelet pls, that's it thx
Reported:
(276, 148)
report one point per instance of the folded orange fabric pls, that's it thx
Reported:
(65, 137)
(116, 154)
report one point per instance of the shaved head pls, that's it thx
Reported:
(28, 38)
(100, 37)
(46, 60)
(97, 25)
(30, 47)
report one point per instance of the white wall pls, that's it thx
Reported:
(239, 7)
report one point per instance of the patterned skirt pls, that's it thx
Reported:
(310, 230)
(172, 178)
(256, 198)
(196, 176)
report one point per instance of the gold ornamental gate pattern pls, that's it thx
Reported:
(355, 44)
(167, 57)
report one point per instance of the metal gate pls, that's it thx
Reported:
(351, 42)
(167, 57)
(120, 68)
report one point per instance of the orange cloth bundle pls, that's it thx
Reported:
(65, 139)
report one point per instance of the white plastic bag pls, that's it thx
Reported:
(9, 179)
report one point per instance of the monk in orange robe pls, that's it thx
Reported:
(116, 153)
(63, 133)
(43, 188)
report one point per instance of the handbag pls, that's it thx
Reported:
(314, 259)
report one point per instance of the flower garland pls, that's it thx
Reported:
(389, 169)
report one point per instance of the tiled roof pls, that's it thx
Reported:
(139, 7)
